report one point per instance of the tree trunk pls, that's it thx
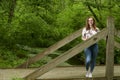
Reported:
(11, 12)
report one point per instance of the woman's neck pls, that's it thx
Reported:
(91, 27)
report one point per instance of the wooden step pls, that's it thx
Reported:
(94, 78)
(60, 73)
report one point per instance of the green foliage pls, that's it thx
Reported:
(10, 59)
(18, 79)
(102, 52)
(41, 23)
(116, 56)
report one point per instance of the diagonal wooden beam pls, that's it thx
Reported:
(117, 32)
(66, 55)
(117, 44)
(51, 49)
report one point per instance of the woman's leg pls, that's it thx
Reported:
(93, 56)
(87, 58)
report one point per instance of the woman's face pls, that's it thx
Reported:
(90, 21)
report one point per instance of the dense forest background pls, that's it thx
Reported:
(27, 27)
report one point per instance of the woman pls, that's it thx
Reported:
(92, 51)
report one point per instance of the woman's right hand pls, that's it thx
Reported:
(84, 38)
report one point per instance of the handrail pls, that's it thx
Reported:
(117, 32)
(117, 44)
(51, 49)
(56, 46)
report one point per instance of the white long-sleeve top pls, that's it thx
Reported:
(86, 34)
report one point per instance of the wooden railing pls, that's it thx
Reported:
(66, 55)
(106, 32)
(51, 49)
(117, 33)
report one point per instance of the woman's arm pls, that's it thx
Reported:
(83, 34)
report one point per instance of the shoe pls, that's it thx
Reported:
(87, 74)
(90, 75)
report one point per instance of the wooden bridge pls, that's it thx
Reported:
(50, 71)
(59, 73)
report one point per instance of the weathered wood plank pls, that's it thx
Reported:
(94, 78)
(117, 32)
(117, 44)
(110, 50)
(51, 49)
(99, 78)
(58, 73)
(65, 56)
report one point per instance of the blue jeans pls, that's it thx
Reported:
(90, 56)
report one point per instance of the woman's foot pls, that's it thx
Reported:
(88, 74)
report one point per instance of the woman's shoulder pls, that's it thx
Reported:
(84, 28)
(97, 29)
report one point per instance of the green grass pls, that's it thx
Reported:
(18, 79)
(10, 59)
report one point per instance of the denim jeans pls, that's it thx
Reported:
(90, 56)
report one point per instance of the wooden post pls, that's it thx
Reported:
(110, 49)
